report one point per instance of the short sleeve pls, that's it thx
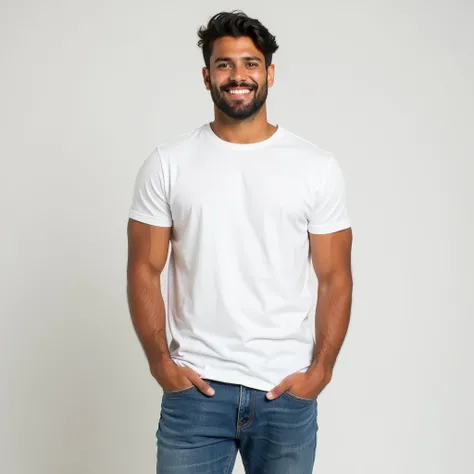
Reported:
(149, 202)
(329, 212)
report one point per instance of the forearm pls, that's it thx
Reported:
(332, 321)
(147, 311)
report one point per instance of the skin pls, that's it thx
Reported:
(147, 253)
(331, 258)
(245, 64)
(236, 61)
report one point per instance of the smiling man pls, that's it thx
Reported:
(237, 99)
(249, 208)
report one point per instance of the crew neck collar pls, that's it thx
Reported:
(242, 146)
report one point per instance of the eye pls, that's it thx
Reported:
(252, 64)
(222, 65)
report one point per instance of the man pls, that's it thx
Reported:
(247, 207)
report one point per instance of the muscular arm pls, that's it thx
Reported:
(147, 254)
(331, 257)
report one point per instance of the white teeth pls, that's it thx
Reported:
(239, 91)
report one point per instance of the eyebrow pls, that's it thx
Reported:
(247, 58)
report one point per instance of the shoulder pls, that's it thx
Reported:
(307, 149)
(179, 144)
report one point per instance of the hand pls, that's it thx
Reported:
(303, 385)
(171, 377)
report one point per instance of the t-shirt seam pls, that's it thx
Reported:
(166, 182)
(332, 224)
(244, 147)
(149, 217)
(309, 142)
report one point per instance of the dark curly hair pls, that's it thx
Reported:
(236, 23)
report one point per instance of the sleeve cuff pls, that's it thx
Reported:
(329, 228)
(161, 221)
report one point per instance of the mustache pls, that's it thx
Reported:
(235, 84)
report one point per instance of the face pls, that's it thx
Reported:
(237, 78)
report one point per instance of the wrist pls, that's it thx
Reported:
(160, 363)
(320, 371)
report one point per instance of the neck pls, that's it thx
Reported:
(251, 130)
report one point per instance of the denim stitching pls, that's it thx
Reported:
(231, 456)
(252, 411)
(307, 401)
(183, 390)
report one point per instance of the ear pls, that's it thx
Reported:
(205, 76)
(271, 75)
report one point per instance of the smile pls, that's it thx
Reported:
(239, 92)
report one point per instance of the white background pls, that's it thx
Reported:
(89, 88)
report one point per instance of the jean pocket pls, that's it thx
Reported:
(183, 391)
(295, 398)
(180, 391)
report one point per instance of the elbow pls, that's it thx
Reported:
(340, 281)
(142, 272)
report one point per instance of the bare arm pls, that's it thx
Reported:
(331, 257)
(147, 254)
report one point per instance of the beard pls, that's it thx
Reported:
(237, 109)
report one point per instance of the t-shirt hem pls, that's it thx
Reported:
(237, 379)
(327, 229)
(263, 383)
(240, 379)
(152, 220)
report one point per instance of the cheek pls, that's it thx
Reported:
(214, 84)
(219, 77)
(259, 79)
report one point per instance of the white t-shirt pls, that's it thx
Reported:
(239, 302)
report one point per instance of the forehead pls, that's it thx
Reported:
(235, 47)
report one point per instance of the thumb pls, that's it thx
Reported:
(201, 385)
(276, 391)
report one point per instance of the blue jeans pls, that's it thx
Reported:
(201, 434)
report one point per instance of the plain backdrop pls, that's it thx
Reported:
(89, 88)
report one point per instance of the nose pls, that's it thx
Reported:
(238, 73)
